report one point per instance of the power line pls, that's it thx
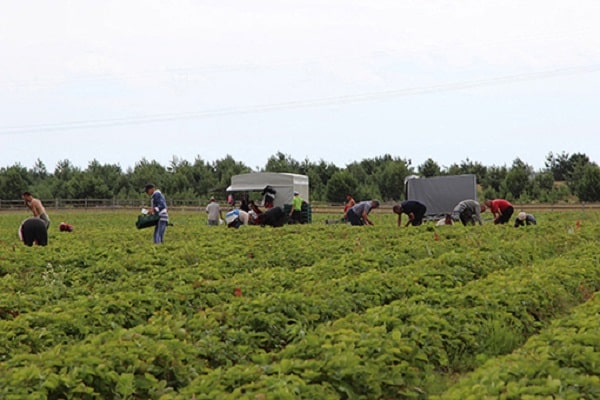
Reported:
(298, 104)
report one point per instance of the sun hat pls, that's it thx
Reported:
(522, 216)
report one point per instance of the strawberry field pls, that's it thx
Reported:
(301, 312)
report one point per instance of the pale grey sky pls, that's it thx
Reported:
(337, 80)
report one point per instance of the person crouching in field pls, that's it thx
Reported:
(274, 217)
(158, 204)
(447, 220)
(468, 212)
(414, 209)
(236, 218)
(33, 231)
(524, 219)
(64, 227)
(358, 214)
(502, 210)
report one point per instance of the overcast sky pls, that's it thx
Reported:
(333, 80)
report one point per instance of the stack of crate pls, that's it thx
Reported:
(305, 212)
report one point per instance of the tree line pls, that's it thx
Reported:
(566, 177)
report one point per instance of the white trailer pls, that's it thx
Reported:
(285, 185)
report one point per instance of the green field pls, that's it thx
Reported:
(300, 312)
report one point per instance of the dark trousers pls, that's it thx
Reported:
(353, 218)
(274, 217)
(296, 217)
(466, 217)
(505, 217)
(419, 214)
(33, 231)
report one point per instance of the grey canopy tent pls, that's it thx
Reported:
(285, 185)
(441, 193)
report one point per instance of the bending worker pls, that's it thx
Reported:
(359, 213)
(414, 209)
(468, 212)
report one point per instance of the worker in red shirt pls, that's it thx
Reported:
(502, 210)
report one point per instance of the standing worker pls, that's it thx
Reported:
(214, 212)
(36, 206)
(359, 213)
(296, 209)
(245, 202)
(158, 204)
(414, 209)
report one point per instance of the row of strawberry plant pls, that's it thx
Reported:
(164, 271)
(392, 350)
(408, 348)
(268, 320)
(153, 302)
(563, 362)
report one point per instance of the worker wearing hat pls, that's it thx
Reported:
(296, 209)
(158, 205)
(524, 219)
